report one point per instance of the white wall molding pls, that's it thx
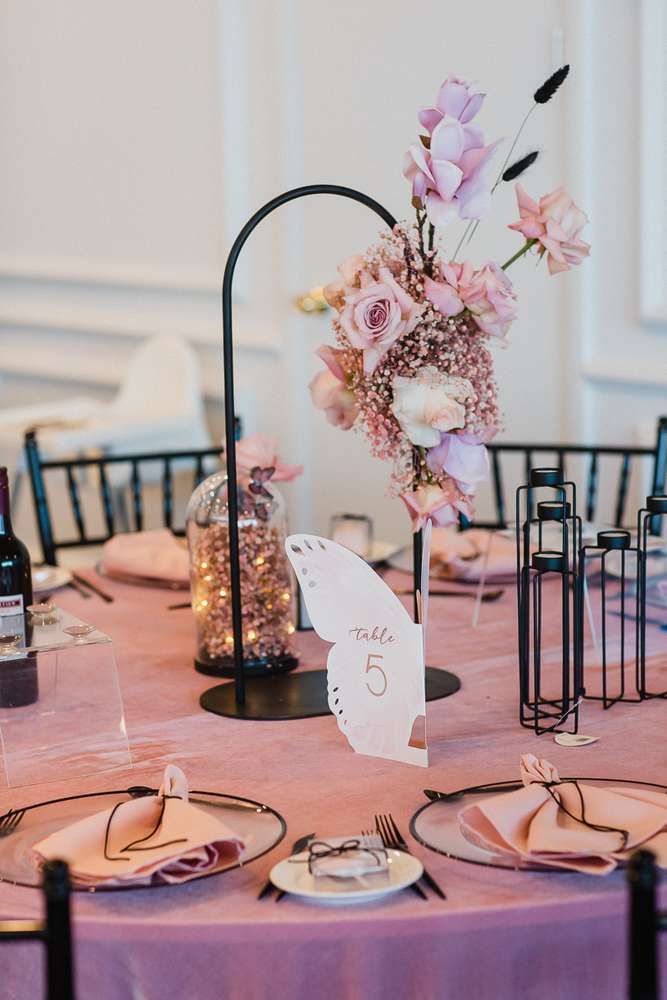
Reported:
(652, 104)
(625, 371)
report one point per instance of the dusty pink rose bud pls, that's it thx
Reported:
(555, 222)
(260, 450)
(440, 504)
(328, 393)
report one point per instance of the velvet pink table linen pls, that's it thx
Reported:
(500, 934)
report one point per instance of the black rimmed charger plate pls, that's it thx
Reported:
(436, 826)
(258, 825)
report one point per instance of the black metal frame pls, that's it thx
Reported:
(560, 451)
(645, 922)
(537, 712)
(37, 469)
(55, 932)
(621, 541)
(287, 689)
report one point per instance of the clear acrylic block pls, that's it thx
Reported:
(61, 711)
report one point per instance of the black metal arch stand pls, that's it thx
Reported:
(284, 696)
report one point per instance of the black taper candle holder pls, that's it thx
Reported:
(548, 714)
(298, 695)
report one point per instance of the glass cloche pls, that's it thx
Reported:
(267, 583)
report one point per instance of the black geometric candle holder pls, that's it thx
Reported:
(549, 695)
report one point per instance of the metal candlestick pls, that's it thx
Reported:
(551, 711)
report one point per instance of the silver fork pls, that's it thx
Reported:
(389, 843)
(10, 821)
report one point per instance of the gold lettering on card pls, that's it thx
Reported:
(373, 666)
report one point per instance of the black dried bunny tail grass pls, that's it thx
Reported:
(550, 86)
(519, 166)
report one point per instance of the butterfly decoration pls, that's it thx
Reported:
(258, 477)
(375, 667)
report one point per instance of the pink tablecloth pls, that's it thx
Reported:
(501, 934)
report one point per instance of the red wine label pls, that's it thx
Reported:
(11, 604)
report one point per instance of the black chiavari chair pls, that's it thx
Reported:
(200, 462)
(646, 921)
(563, 455)
(54, 931)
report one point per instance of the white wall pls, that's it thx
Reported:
(139, 136)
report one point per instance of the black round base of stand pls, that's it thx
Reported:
(299, 696)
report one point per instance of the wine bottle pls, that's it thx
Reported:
(18, 673)
(15, 576)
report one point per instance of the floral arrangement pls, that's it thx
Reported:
(411, 365)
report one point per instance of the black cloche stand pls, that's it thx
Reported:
(303, 694)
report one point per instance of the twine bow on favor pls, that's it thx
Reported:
(319, 850)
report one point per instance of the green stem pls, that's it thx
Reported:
(524, 249)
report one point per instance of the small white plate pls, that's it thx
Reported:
(49, 578)
(292, 875)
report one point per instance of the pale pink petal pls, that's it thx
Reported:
(443, 296)
(447, 141)
(452, 98)
(471, 108)
(330, 356)
(440, 212)
(447, 178)
(429, 118)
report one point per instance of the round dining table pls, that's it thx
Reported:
(500, 933)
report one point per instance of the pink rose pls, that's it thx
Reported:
(439, 504)
(456, 100)
(376, 315)
(260, 450)
(487, 293)
(491, 299)
(463, 458)
(428, 404)
(452, 178)
(556, 223)
(330, 394)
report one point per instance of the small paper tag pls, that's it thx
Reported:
(574, 739)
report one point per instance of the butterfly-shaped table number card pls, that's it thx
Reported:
(375, 667)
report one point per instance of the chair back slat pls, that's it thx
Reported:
(199, 472)
(592, 487)
(622, 490)
(659, 480)
(137, 502)
(105, 497)
(498, 487)
(38, 486)
(75, 502)
(643, 957)
(167, 494)
(561, 461)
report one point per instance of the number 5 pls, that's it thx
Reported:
(373, 666)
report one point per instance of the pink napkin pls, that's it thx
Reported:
(157, 555)
(542, 822)
(460, 555)
(151, 839)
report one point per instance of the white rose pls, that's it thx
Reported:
(429, 404)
